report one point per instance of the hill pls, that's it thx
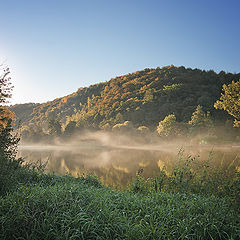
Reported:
(143, 97)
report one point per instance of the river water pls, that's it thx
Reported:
(116, 166)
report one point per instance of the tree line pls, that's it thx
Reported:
(147, 100)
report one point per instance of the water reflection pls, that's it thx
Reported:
(116, 167)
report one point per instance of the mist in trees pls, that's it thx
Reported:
(169, 102)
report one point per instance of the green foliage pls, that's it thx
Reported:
(190, 176)
(67, 208)
(139, 184)
(144, 98)
(200, 118)
(200, 121)
(230, 101)
(8, 141)
(143, 130)
(34, 133)
(23, 112)
(54, 127)
(148, 96)
(173, 87)
(168, 126)
(123, 127)
(205, 101)
(70, 128)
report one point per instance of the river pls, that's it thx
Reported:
(116, 166)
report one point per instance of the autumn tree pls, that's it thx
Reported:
(230, 101)
(148, 97)
(5, 94)
(54, 127)
(70, 128)
(168, 126)
(8, 141)
(200, 121)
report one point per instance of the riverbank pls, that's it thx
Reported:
(34, 205)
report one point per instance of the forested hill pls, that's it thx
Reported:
(143, 97)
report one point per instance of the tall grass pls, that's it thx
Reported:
(70, 208)
(173, 205)
(191, 176)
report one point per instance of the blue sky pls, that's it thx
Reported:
(53, 47)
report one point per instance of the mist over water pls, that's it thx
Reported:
(115, 158)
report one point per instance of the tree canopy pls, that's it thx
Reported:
(230, 101)
(168, 126)
(8, 142)
(144, 98)
(5, 84)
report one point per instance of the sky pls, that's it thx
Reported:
(54, 47)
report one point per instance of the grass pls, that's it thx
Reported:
(191, 176)
(69, 208)
(34, 205)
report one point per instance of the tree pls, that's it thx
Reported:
(54, 127)
(35, 132)
(200, 121)
(198, 117)
(168, 126)
(5, 94)
(8, 144)
(8, 141)
(9, 164)
(5, 115)
(205, 101)
(70, 128)
(230, 101)
(5, 85)
(148, 96)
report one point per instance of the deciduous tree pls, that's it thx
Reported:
(8, 141)
(200, 121)
(230, 101)
(167, 127)
(54, 127)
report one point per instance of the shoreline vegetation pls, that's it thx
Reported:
(195, 200)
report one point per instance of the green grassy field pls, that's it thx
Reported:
(34, 205)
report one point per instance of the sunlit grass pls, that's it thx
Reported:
(77, 209)
(34, 205)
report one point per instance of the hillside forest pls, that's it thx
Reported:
(168, 102)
